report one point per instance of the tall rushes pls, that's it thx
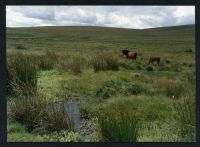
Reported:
(27, 110)
(21, 73)
(55, 118)
(47, 61)
(74, 64)
(119, 125)
(185, 116)
(35, 112)
(105, 62)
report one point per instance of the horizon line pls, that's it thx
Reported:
(101, 26)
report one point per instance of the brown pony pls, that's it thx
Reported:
(125, 52)
(132, 55)
(154, 59)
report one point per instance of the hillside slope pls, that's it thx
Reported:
(101, 38)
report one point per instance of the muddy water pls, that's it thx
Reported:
(74, 114)
(72, 109)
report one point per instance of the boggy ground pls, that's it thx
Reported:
(119, 99)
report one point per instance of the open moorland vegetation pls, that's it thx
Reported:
(119, 100)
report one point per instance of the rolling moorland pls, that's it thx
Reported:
(119, 100)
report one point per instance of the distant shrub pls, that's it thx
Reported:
(104, 62)
(189, 50)
(118, 125)
(187, 64)
(167, 61)
(20, 47)
(149, 68)
(185, 115)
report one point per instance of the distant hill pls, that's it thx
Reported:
(190, 26)
(101, 38)
(182, 27)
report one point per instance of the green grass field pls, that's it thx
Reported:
(120, 99)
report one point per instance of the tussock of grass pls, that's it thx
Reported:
(149, 68)
(119, 125)
(175, 89)
(55, 118)
(105, 62)
(119, 87)
(69, 63)
(47, 61)
(20, 47)
(22, 73)
(34, 111)
(27, 110)
(185, 115)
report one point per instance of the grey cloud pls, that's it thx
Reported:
(114, 16)
(36, 12)
(39, 13)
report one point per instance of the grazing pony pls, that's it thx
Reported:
(154, 59)
(125, 52)
(131, 55)
(188, 50)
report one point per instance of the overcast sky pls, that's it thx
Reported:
(136, 17)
